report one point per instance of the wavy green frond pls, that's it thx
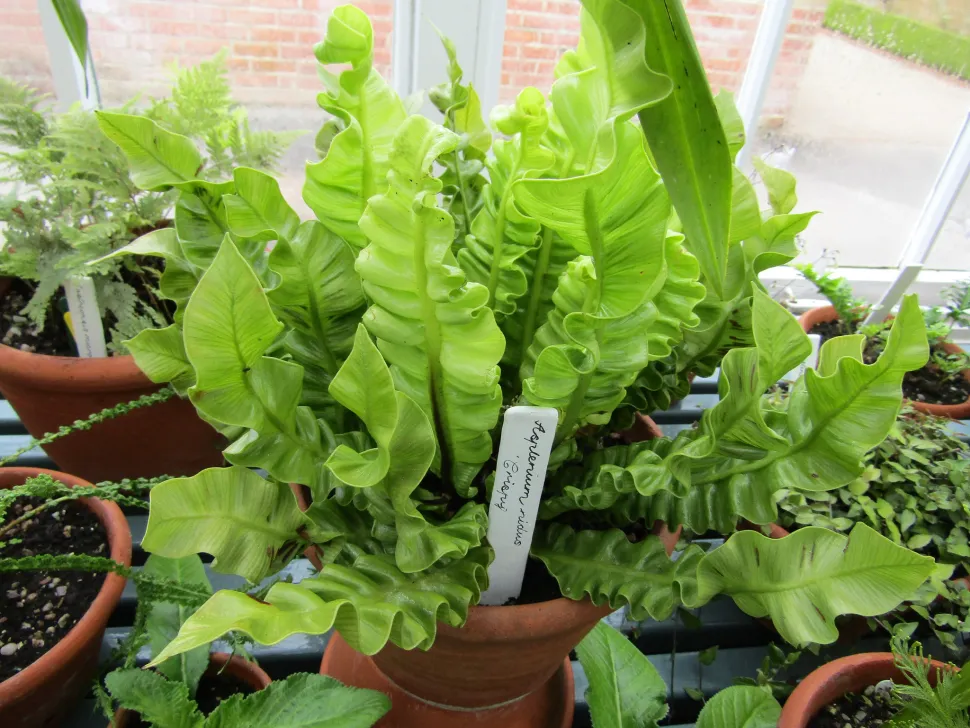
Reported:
(369, 604)
(804, 581)
(367, 114)
(432, 327)
(247, 523)
(607, 567)
(462, 179)
(740, 706)
(320, 298)
(780, 185)
(607, 323)
(158, 158)
(256, 208)
(160, 354)
(228, 327)
(501, 234)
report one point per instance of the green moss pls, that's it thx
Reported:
(904, 37)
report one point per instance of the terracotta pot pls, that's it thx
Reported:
(44, 693)
(833, 680)
(824, 314)
(246, 673)
(162, 439)
(508, 666)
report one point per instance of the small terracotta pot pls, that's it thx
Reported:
(246, 673)
(833, 680)
(41, 695)
(824, 314)
(506, 667)
(162, 439)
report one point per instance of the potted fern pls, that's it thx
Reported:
(369, 360)
(71, 200)
(942, 386)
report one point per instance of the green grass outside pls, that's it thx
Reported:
(911, 39)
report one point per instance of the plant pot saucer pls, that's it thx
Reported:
(551, 706)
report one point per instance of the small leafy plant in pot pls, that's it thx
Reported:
(72, 201)
(942, 386)
(370, 358)
(200, 689)
(62, 560)
(901, 688)
(913, 492)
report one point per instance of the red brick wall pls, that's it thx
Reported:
(23, 54)
(270, 43)
(538, 31)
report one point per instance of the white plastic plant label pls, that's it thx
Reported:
(523, 456)
(811, 361)
(85, 317)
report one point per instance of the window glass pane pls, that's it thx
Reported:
(950, 250)
(865, 130)
(23, 53)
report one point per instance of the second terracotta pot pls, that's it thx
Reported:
(833, 680)
(42, 694)
(48, 392)
(246, 673)
(824, 314)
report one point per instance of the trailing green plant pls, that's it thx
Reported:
(914, 491)
(370, 354)
(72, 200)
(123, 408)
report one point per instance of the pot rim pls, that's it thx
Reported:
(119, 542)
(71, 373)
(836, 678)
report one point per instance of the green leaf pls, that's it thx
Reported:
(75, 26)
(368, 604)
(228, 326)
(405, 450)
(257, 208)
(302, 701)
(165, 619)
(247, 523)
(159, 159)
(367, 113)
(160, 702)
(780, 185)
(804, 581)
(201, 222)
(687, 139)
(320, 298)
(500, 234)
(625, 689)
(431, 326)
(609, 568)
(599, 336)
(740, 706)
(731, 121)
(160, 354)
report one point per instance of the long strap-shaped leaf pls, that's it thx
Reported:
(404, 453)
(805, 580)
(598, 337)
(686, 137)
(625, 689)
(367, 114)
(609, 568)
(369, 604)
(432, 327)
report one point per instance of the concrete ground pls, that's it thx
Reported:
(866, 137)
